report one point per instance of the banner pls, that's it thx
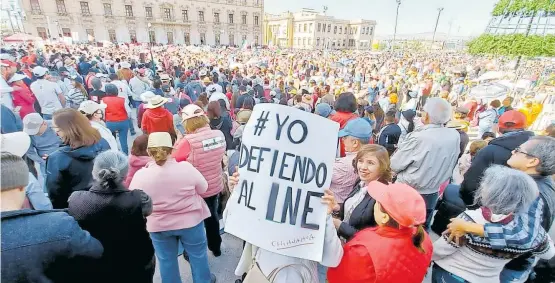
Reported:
(286, 164)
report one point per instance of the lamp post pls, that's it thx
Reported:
(150, 49)
(439, 10)
(396, 18)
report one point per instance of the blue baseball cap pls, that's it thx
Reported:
(356, 128)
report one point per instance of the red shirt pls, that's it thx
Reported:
(157, 120)
(115, 108)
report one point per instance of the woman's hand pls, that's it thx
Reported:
(329, 199)
(336, 223)
(233, 180)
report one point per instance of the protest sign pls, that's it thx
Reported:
(286, 164)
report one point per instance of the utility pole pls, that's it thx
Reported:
(439, 10)
(396, 18)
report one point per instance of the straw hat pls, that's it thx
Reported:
(156, 102)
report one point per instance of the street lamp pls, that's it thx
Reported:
(439, 10)
(150, 49)
(396, 18)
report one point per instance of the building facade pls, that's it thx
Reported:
(213, 22)
(309, 29)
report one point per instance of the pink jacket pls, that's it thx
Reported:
(205, 149)
(175, 189)
(135, 163)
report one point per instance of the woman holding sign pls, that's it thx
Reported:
(357, 212)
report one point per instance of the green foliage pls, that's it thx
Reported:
(513, 45)
(505, 7)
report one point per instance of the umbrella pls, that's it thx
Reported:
(491, 75)
(19, 37)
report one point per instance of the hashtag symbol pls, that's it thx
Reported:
(261, 123)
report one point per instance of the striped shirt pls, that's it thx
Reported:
(74, 97)
(343, 177)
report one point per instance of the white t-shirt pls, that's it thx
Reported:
(47, 95)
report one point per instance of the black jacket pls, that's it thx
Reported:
(361, 217)
(498, 151)
(389, 137)
(116, 217)
(69, 170)
(464, 142)
(225, 125)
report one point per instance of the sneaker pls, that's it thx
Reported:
(212, 278)
(217, 253)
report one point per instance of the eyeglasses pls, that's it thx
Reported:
(519, 150)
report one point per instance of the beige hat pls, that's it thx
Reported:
(164, 77)
(125, 65)
(156, 102)
(159, 139)
(16, 143)
(243, 116)
(89, 107)
(147, 96)
(191, 111)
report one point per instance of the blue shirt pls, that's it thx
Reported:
(46, 143)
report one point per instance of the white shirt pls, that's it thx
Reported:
(217, 86)
(47, 95)
(105, 134)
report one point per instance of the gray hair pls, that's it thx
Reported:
(505, 190)
(543, 148)
(439, 110)
(14, 172)
(96, 83)
(110, 167)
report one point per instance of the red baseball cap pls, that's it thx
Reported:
(512, 120)
(403, 203)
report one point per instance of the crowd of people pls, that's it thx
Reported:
(411, 194)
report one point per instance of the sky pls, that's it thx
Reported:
(467, 17)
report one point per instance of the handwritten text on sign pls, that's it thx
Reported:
(286, 163)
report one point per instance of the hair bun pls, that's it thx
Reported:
(108, 174)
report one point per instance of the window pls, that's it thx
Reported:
(244, 19)
(151, 36)
(340, 30)
(201, 16)
(304, 27)
(85, 8)
(310, 27)
(216, 17)
(90, 34)
(35, 7)
(255, 20)
(244, 37)
(310, 41)
(230, 18)
(148, 12)
(202, 38)
(112, 35)
(304, 41)
(334, 29)
(344, 42)
(231, 39)
(128, 11)
(61, 5)
(361, 43)
(318, 41)
(187, 38)
(329, 27)
(133, 36)
(217, 39)
(185, 15)
(256, 39)
(170, 37)
(107, 9)
(42, 33)
(319, 28)
(168, 14)
(371, 31)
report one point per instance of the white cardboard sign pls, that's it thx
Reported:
(286, 164)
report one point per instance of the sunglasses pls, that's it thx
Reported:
(519, 150)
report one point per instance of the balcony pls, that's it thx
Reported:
(169, 21)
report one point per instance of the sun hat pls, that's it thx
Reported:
(69, 61)
(125, 65)
(39, 71)
(357, 128)
(206, 80)
(16, 143)
(156, 102)
(400, 201)
(164, 77)
(243, 116)
(159, 139)
(32, 123)
(191, 111)
(90, 107)
(512, 120)
(147, 95)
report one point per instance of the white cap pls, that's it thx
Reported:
(159, 139)
(15, 143)
(39, 71)
(89, 107)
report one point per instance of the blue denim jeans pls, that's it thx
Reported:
(47, 116)
(122, 127)
(517, 276)
(166, 247)
(440, 275)
(431, 201)
(131, 127)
